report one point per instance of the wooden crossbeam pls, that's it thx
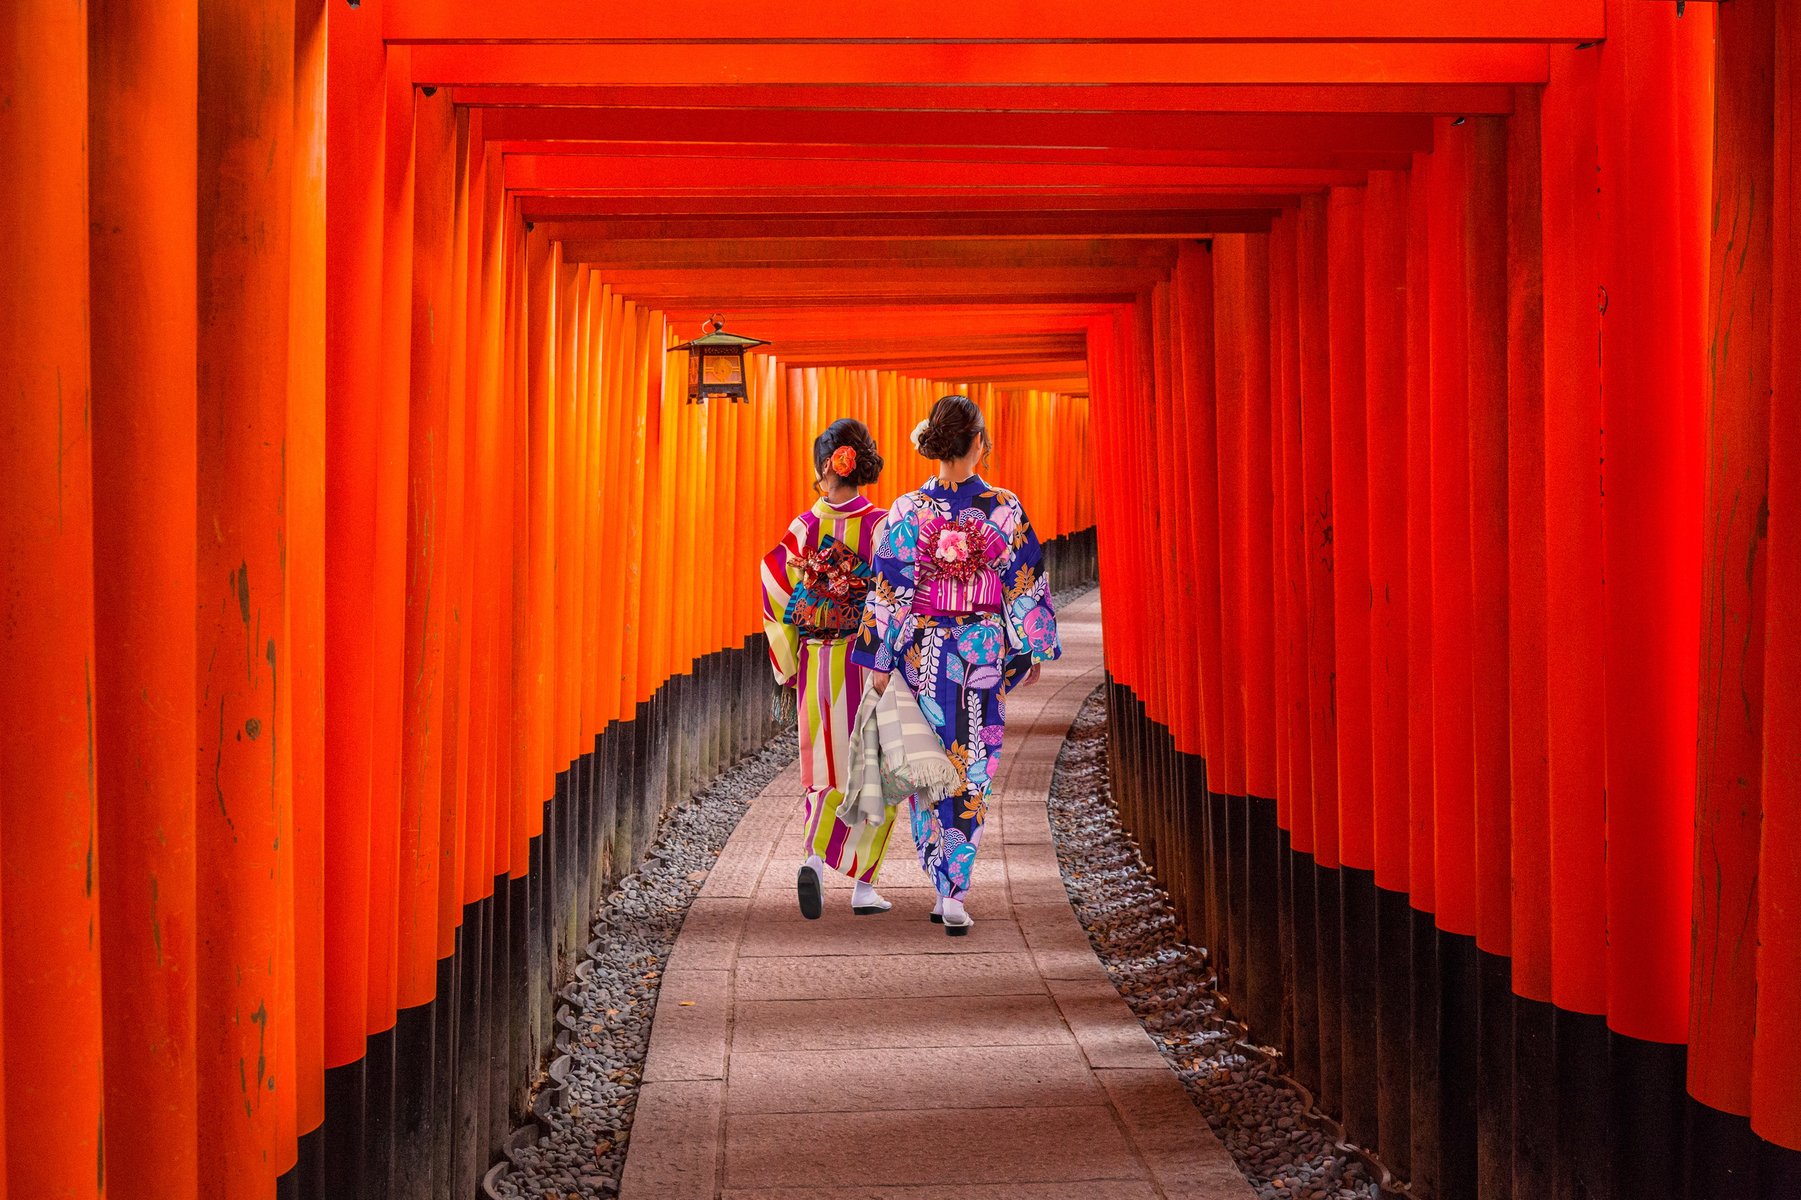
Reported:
(1428, 99)
(897, 228)
(902, 202)
(1293, 133)
(996, 20)
(569, 173)
(951, 156)
(936, 63)
(866, 252)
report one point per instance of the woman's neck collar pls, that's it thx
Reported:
(954, 480)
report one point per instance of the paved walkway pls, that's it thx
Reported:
(863, 1057)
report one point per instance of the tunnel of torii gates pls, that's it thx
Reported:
(1423, 376)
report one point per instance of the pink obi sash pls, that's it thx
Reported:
(955, 566)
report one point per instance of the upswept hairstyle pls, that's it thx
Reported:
(840, 434)
(952, 428)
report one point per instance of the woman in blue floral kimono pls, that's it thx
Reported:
(961, 606)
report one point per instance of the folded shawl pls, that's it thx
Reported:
(894, 753)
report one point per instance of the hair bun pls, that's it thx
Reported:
(846, 450)
(952, 429)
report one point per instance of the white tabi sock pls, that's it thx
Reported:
(952, 911)
(864, 896)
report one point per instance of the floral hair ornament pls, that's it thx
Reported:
(843, 461)
(919, 433)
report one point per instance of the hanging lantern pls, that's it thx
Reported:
(716, 363)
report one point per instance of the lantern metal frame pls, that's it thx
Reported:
(716, 363)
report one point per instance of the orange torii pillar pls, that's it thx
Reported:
(142, 202)
(354, 128)
(245, 835)
(1776, 1060)
(1655, 89)
(49, 906)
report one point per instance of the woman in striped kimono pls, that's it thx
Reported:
(814, 584)
(961, 606)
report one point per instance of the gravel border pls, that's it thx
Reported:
(584, 1103)
(1286, 1148)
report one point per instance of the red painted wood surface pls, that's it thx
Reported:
(142, 196)
(427, 569)
(306, 572)
(1421, 801)
(1295, 800)
(1487, 279)
(1575, 674)
(1250, 259)
(1385, 438)
(49, 908)
(1226, 767)
(355, 117)
(1014, 20)
(1155, 63)
(244, 819)
(1651, 338)
(1528, 623)
(911, 96)
(1199, 469)
(1775, 1108)
(1351, 534)
(1729, 741)
(1453, 587)
(1315, 520)
(387, 596)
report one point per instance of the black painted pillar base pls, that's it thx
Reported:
(1583, 1065)
(1649, 1118)
(416, 1100)
(1302, 879)
(1394, 1030)
(1459, 1033)
(306, 1181)
(1262, 1004)
(1327, 978)
(1359, 967)
(1425, 1087)
(341, 1137)
(1535, 1098)
(1494, 1076)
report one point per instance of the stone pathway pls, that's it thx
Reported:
(866, 1057)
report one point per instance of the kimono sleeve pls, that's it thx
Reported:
(1031, 618)
(781, 574)
(878, 643)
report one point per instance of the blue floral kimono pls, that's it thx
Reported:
(962, 609)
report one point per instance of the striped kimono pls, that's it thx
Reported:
(962, 609)
(828, 689)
